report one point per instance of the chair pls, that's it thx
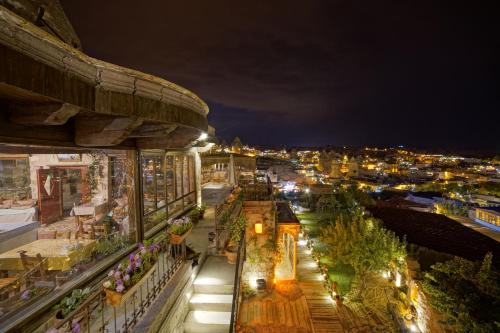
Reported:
(35, 264)
(46, 234)
(86, 231)
(100, 231)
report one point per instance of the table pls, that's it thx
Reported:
(88, 209)
(61, 254)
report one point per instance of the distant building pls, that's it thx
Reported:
(488, 216)
(353, 168)
(425, 198)
(335, 172)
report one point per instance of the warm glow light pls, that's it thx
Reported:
(302, 242)
(208, 281)
(203, 136)
(398, 279)
(258, 228)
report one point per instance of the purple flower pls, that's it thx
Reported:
(119, 282)
(131, 257)
(117, 275)
(26, 295)
(129, 268)
(138, 262)
(126, 277)
(75, 327)
(120, 288)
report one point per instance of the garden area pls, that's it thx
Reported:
(338, 272)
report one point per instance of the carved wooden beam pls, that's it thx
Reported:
(101, 130)
(150, 130)
(42, 114)
(181, 137)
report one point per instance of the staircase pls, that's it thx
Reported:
(210, 305)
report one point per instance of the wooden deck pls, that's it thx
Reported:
(306, 307)
(275, 313)
(324, 315)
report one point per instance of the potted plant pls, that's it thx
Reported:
(235, 232)
(201, 211)
(70, 303)
(339, 300)
(179, 229)
(128, 276)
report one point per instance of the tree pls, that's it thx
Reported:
(467, 293)
(363, 244)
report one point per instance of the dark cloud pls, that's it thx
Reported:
(315, 72)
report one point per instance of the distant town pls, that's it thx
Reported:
(452, 185)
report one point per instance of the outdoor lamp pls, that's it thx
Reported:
(258, 228)
(203, 136)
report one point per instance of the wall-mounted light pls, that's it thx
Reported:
(258, 228)
(203, 136)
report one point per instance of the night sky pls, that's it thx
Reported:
(380, 73)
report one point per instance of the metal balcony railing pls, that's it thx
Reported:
(95, 315)
(237, 283)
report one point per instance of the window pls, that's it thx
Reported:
(14, 175)
(168, 180)
(59, 217)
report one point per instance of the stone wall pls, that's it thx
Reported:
(259, 262)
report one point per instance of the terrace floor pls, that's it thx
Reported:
(293, 307)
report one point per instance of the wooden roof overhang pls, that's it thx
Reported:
(52, 93)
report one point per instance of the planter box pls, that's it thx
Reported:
(116, 299)
(177, 240)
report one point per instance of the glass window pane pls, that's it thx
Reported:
(148, 183)
(178, 176)
(170, 179)
(68, 210)
(192, 179)
(185, 175)
(155, 218)
(160, 182)
(175, 207)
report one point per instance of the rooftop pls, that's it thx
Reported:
(285, 213)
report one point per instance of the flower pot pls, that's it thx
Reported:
(58, 318)
(116, 299)
(178, 239)
(231, 255)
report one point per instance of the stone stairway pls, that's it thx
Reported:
(210, 304)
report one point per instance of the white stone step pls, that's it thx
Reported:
(211, 302)
(202, 286)
(207, 322)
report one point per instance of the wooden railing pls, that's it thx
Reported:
(95, 315)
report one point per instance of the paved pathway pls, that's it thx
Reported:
(322, 309)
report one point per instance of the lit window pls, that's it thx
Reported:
(258, 228)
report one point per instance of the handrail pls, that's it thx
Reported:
(237, 283)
